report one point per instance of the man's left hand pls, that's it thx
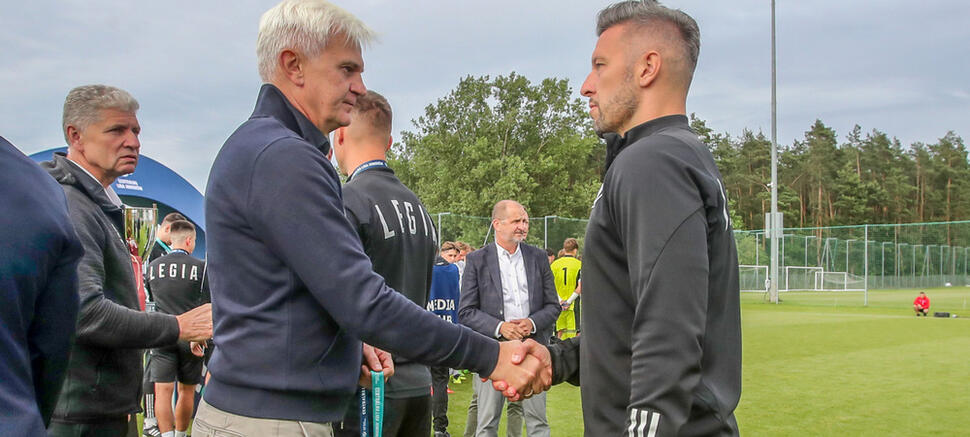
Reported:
(376, 360)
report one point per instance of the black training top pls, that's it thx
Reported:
(661, 343)
(399, 237)
(177, 281)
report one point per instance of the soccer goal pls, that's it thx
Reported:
(838, 281)
(798, 278)
(753, 278)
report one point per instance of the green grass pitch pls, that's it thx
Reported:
(823, 364)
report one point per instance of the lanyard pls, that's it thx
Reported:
(372, 403)
(367, 166)
(164, 246)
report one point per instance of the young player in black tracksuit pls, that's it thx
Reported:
(399, 236)
(178, 284)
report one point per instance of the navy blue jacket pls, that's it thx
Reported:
(445, 290)
(39, 252)
(293, 293)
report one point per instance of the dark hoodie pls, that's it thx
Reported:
(105, 370)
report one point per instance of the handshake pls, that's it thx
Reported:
(524, 368)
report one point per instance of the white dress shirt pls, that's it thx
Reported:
(515, 287)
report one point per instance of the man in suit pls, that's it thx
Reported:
(508, 293)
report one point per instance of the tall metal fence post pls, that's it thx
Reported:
(441, 238)
(865, 281)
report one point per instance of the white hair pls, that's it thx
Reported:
(83, 105)
(304, 26)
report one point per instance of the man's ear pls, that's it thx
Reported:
(390, 141)
(339, 135)
(291, 66)
(74, 138)
(647, 68)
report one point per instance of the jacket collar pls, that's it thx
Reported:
(272, 103)
(616, 143)
(68, 173)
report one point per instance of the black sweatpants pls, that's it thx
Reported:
(439, 398)
(402, 418)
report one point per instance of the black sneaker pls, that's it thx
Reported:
(151, 431)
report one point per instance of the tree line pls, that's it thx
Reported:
(507, 137)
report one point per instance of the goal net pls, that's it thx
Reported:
(800, 278)
(753, 278)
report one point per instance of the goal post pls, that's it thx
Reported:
(753, 278)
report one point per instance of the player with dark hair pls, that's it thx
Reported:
(179, 284)
(399, 237)
(443, 301)
(161, 248)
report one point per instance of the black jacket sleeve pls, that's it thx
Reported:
(102, 322)
(565, 361)
(663, 232)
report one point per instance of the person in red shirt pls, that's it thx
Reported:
(922, 304)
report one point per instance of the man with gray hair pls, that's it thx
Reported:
(661, 342)
(104, 374)
(293, 292)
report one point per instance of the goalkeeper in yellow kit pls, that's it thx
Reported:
(566, 272)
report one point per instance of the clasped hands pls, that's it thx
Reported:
(524, 369)
(516, 329)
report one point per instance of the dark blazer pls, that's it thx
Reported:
(482, 307)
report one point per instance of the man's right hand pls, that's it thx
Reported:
(543, 380)
(196, 324)
(518, 378)
(510, 331)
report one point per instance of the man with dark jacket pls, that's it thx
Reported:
(399, 237)
(39, 252)
(293, 292)
(105, 369)
(661, 341)
(507, 292)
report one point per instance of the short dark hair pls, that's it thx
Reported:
(644, 13)
(375, 107)
(181, 229)
(550, 252)
(172, 217)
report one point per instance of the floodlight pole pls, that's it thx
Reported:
(773, 222)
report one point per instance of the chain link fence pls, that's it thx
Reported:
(837, 258)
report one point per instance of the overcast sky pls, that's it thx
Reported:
(902, 67)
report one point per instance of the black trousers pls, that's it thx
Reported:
(108, 428)
(402, 418)
(439, 398)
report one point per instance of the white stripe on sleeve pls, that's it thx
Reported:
(654, 423)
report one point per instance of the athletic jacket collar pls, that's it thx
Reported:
(616, 143)
(272, 103)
